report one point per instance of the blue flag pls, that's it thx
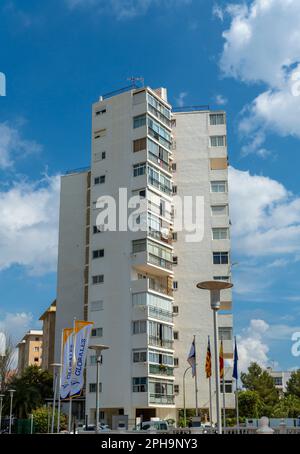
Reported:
(192, 358)
(235, 373)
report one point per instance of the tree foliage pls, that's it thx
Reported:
(250, 404)
(42, 418)
(293, 385)
(32, 388)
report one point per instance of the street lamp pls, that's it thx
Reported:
(11, 393)
(98, 349)
(1, 404)
(215, 288)
(184, 406)
(56, 367)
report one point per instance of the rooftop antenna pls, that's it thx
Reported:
(134, 80)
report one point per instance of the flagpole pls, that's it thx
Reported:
(196, 382)
(59, 382)
(70, 397)
(237, 406)
(210, 394)
(224, 399)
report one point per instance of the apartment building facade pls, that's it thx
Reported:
(48, 319)
(138, 284)
(30, 350)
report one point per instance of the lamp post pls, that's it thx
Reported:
(11, 393)
(1, 405)
(98, 349)
(56, 369)
(215, 288)
(184, 405)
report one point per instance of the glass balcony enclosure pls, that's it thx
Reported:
(156, 255)
(158, 307)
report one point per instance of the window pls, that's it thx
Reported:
(174, 189)
(176, 389)
(140, 357)
(96, 306)
(174, 167)
(97, 332)
(98, 253)
(36, 359)
(99, 180)
(103, 155)
(217, 119)
(218, 186)
(175, 309)
(222, 278)
(220, 258)
(37, 339)
(277, 381)
(228, 386)
(174, 236)
(139, 384)
(225, 333)
(220, 233)
(100, 112)
(139, 144)
(175, 260)
(36, 349)
(100, 133)
(176, 335)
(93, 387)
(218, 141)
(139, 326)
(139, 169)
(176, 362)
(175, 285)
(99, 279)
(159, 133)
(173, 123)
(138, 246)
(139, 121)
(219, 210)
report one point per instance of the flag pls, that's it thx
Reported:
(67, 362)
(208, 360)
(235, 373)
(221, 360)
(82, 335)
(192, 358)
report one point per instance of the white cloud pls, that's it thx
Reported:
(220, 100)
(262, 45)
(29, 225)
(125, 9)
(12, 145)
(15, 324)
(180, 99)
(251, 345)
(265, 215)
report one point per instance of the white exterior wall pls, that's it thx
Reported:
(71, 254)
(195, 259)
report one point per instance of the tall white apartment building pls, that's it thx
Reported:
(139, 287)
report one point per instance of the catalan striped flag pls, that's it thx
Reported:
(192, 358)
(221, 360)
(208, 360)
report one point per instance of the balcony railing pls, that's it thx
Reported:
(161, 399)
(158, 261)
(159, 236)
(159, 287)
(156, 342)
(160, 369)
(157, 184)
(161, 314)
(164, 165)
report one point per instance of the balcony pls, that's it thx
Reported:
(161, 369)
(160, 314)
(157, 235)
(151, 258)
(159, 162)
(154, 283)
(160, 186)
(161, 399)
(164, 343)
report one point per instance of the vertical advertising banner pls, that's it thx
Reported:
(67, 362)
(82, 335)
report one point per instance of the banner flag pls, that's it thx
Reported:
(208, 360)
(67, 362)
(82, 335)
(192, 358)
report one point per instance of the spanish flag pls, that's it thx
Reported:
(208, 360)
(221, 360)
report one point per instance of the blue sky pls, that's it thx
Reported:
(60, 55)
